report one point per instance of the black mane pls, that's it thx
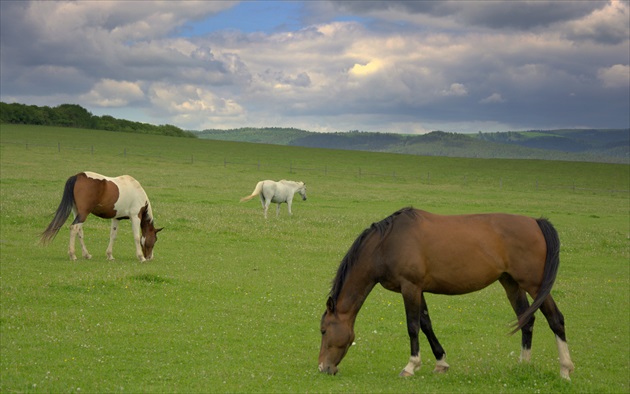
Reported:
(383, 227)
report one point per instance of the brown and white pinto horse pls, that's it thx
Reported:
(413, 252)
(109, 198)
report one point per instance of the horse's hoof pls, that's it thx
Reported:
(87, 256)
(564, 373)
(441, 369)
(405, 374)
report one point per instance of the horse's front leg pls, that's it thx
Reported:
(412, 299)
(427, 328)
(112, 237)
(135, 228)
(289, 203)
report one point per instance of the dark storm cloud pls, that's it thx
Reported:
(493, 14)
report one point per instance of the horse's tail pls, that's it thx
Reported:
(63, 211)
(256, 192)
(552, 262)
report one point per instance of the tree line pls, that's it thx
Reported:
(73, 115)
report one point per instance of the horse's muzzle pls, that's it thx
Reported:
(330, 369)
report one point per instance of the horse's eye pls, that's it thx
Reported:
(323, 332)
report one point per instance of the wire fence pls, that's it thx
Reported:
(426, 177)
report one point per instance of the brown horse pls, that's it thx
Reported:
(413, 251)
(109, 198)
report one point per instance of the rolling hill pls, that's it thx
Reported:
(596, 145)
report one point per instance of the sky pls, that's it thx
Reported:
(327, 66)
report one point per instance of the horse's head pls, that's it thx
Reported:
(302, 190)
(148, 240)
(337, 337)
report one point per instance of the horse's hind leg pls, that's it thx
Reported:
(265, 204)
(77, 229)
(84, 251)
(556, 323)
(518, 300)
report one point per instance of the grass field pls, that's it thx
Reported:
(231, 302)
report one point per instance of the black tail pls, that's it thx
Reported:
(552, 262)
(63, 211)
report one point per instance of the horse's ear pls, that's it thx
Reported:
(157, 230)
(330, 305)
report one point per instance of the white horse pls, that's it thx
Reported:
(278, 192)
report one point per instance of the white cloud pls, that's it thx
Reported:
(110, 93)
(607, 25)
(364, 70)
(456, 89)
(617, 76)
(190, 105)
(493, 98)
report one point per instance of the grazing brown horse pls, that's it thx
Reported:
(109, 198)
(413, 251)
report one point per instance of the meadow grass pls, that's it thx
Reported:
(232, 302)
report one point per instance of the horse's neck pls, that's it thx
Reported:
(353, 294)
(291, 184)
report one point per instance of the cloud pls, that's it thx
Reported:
(617, 76)
(190, 105)
(456, 89)
(499, 14)
(363, 70)
(110, 93)
(370, 65)
(493, 98)
(608, 25)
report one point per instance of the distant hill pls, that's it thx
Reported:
(596, 145)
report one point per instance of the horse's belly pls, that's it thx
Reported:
(461, 283)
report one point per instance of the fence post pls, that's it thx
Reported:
(224, 162)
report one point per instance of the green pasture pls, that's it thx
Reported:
(232, 302)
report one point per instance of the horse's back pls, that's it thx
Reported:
(109, 197)
(456, 254)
